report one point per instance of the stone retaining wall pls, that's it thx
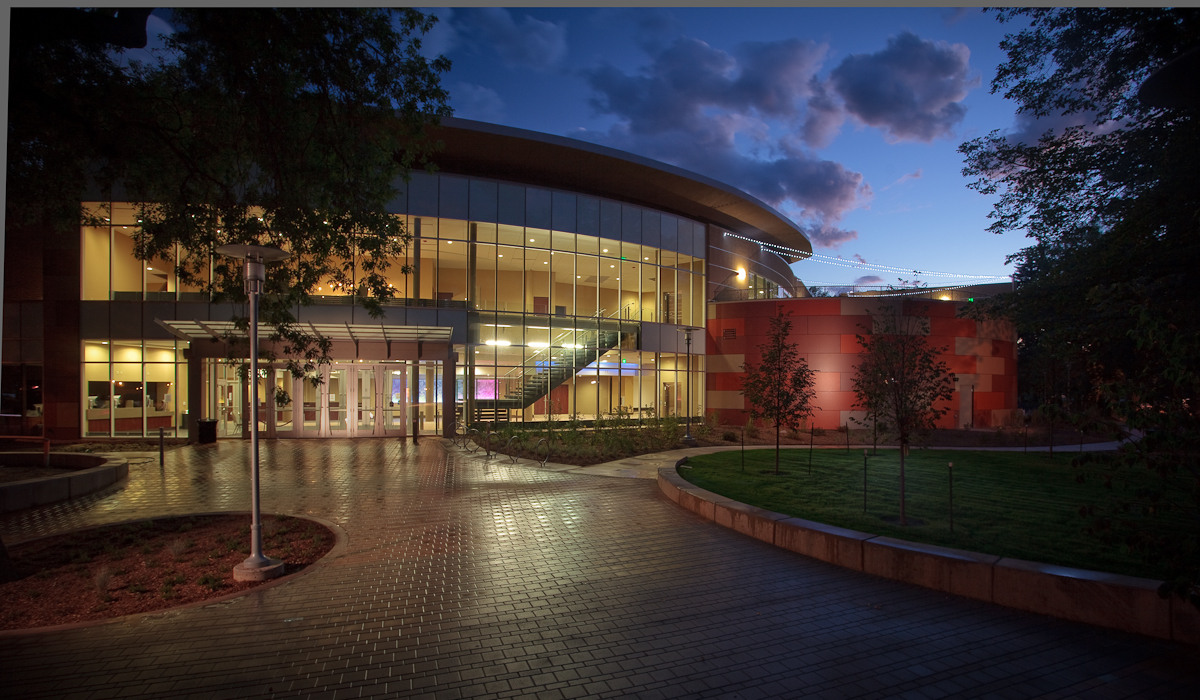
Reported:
(1125, 603)
(94, 473)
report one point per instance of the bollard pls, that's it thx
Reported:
(950, 470)
(416, 429)
(45, 452)
(743, 449)
(161, 449)
(811, 432)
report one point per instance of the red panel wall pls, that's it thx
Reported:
(826, 338)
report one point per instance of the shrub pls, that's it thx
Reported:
(730, 436)
(751, 428)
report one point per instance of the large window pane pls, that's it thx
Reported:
(510, 278)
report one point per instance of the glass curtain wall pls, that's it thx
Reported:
(132, 388)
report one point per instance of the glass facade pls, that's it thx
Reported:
(556, 308)
(134, 387)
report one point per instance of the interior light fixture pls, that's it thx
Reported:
(531, 240)
(538, 344)
(606, 250)
(500, 343)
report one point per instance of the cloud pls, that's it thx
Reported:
(1028, 128)
(824, 118)
(649, 27)
(869, 279)
(532, 43)
(952, 15)
(712, 112)
(825, 236)
(906, 177)
(859, 259)
(443, 37)
(477, 102)
(911, 89)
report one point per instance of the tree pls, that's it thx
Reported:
(1109, 284)
(780, 388)
(272, 126)
(900, 378)
(286, 126)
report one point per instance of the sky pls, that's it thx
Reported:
(847, 121)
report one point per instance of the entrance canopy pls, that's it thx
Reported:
(193, 330)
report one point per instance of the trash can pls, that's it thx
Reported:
(207, 433)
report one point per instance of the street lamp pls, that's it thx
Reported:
(687, 335)
(256, 567)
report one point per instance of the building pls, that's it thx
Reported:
(553, 278)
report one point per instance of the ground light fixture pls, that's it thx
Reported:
(256, 567)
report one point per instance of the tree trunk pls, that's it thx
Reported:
(776, 448)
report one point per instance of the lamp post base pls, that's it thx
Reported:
(274, 569)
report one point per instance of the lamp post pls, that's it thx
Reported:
(687, 336)
(256, 567)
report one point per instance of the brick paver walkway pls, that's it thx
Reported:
(467, 578)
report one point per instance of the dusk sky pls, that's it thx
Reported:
(846, 120)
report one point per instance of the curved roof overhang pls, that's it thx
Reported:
(505, 153)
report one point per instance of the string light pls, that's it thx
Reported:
(875, 267)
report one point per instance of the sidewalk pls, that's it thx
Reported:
(472, 578)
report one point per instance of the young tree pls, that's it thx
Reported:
(900, 378)
(780, 388)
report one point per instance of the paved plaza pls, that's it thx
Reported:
(464, 577)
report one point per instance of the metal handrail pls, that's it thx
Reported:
(535, 449)
(508, 449)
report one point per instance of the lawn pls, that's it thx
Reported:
(1013, 504)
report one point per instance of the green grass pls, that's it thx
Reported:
(1010, 504)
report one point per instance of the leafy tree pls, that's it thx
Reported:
(780, 387)
(286, 126)
(900, 378)
(1108, 285)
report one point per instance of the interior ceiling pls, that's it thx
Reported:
(489, 150)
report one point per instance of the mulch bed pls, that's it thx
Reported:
(146, 566)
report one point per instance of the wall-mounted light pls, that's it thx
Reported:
(741, 273)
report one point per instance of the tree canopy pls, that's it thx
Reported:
(780, 387)
(1106, 295)
(279, 126)
(900, 378)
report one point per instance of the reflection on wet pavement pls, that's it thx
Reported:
(468, 577)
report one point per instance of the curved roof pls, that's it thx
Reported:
(502, 152)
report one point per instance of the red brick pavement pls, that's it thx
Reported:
(467, 578)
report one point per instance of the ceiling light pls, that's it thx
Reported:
(606, 250)
(531, 240)
(538, 344)
(501, 343)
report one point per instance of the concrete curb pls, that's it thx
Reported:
(1125, 603)
(95, 472)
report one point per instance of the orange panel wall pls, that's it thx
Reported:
(825, 338)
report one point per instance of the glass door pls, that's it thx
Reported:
(395, 406)
(366, 409)
(338, 397)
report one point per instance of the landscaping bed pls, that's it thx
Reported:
(1009, 504)
(146, 566)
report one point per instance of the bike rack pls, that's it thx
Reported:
(468, 439)
(535, 449)
(508, 449)
(488, 444)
